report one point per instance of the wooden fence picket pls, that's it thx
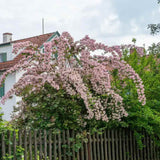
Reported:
(25, 145)
(35, 145)
(46, 145)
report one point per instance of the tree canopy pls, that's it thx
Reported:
(154, 28)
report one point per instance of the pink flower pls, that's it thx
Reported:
(77, 72)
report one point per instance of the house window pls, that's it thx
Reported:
(2, 90)
(3, 57)
(2, 87)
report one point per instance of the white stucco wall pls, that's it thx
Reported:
(18, 75)
(7, 108)
(7, 49)
(11, 79)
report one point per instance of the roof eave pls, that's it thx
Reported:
(5, 44)
(50, 38)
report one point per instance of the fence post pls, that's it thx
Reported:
(50, 145)
(105, 146)
(35, 145)
(59, 145)
(25, 145)
(40, 145)
(109, 145)
(112, 145)
(3, 145)
(94, 147)
(102, 148)
(9, 144)
(45, 145)
(113, 141)
(90, 156)
(73, 143)
(98, 142)
(64, 143)
(30, 145)
(116, 143)
(55, 151)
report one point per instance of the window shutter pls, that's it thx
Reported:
(4, 57)
(56, 55)
(2, 91)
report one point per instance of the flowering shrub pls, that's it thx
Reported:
(69, 67)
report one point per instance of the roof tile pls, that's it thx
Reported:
(39, 40)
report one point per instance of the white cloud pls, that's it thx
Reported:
(97, 18)
(141, 40)
(111, 24)
(134, 26)
(7, 14)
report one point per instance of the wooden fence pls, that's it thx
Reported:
(46, 145)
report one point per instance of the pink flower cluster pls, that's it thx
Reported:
(20, 46)
(77, 72)
(140, 50)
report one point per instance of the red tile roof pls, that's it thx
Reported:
(6, 65)
(39, 40)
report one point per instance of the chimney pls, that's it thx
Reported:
(7, 37)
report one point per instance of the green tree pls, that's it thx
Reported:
(154, 28)
(143, 117)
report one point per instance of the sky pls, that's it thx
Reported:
(113, 22)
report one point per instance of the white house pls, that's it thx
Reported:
(9, 59)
